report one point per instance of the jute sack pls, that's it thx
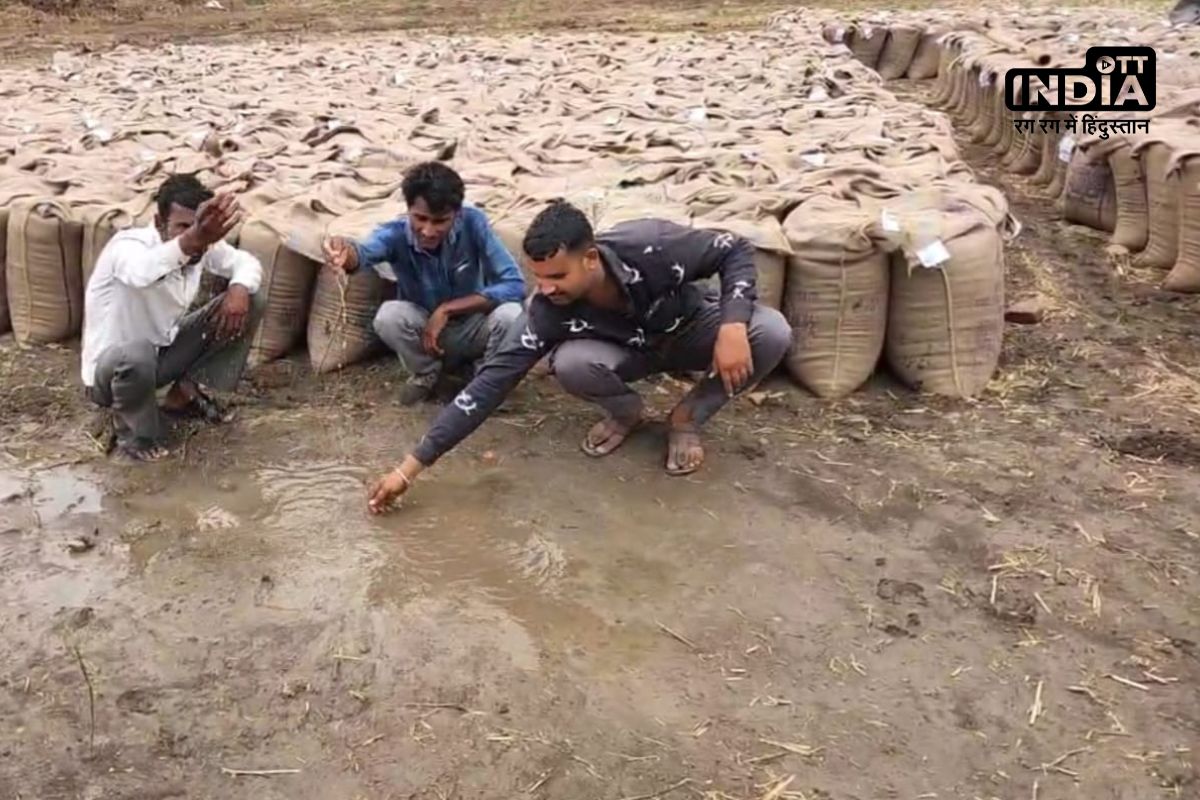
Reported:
(288, 280)
(13, 187)
(898, 51)
(1132, 228)
(867, 41)
(926, 57)
(45, 282)
(341, 329)
(1163, 201)
(5, 318)
(101, 222)
(1185, 275)
(1090, 195)
(946, 309)
(835, 296)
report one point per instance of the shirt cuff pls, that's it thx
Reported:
(738, 309)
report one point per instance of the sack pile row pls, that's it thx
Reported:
(872, 235)
(1141, 187)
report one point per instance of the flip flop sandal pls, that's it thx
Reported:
(678, 439)
(595, 452)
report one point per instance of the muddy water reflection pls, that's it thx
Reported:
(289, 543)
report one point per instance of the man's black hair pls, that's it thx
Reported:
(437, 184)
(185, 191)
(558, 226)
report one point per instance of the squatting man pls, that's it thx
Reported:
(138, 333)
(612, 309)
(458, 289)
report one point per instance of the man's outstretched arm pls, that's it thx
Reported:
(474, 404)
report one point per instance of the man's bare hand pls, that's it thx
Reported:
(229, 322)
(215, 219)
(731, 357)
(433, 331)
(340, 254)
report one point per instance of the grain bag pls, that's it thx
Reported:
(101, 221)
(946, 311)
(1163, 205)
(1185, 275)
(898, 51)
(287, 285)
(1131, 229)
(14, 186)
(341, 329)
(926, 57)
(1090, 195)
(835, 296)
(43, 270)
(867, 41)
(5, 318)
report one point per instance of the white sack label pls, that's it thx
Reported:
(985, 79)
(816, 159)
(839, 35)
(818, 94)
(889, 222)
(933, 255)
(1065, 148)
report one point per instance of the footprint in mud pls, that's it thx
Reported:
(137, 701)
(898, 591)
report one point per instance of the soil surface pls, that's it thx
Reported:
(888, 596)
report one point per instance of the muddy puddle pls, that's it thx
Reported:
(289, 541)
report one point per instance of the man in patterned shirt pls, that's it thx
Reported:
(611, 310)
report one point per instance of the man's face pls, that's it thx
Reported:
(178, 220)
(429, 228)
(566, 277)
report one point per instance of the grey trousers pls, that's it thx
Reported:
(466, 339)
(127, 375)
(599, 371)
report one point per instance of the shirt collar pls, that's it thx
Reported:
(622, 273)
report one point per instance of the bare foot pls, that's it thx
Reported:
(607, 435)
(685, 453)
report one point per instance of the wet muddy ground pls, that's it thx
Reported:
(890, 596)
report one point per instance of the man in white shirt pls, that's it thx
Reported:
(138, 332)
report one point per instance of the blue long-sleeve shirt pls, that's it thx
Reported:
(470, 260)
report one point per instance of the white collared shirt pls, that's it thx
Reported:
(142, 287)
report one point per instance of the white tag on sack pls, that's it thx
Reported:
(865, 30)
(818, 94)
(1065, 148)
(839, 35)
(816, 159)
(985, 79)
(889, 222)
(933, 255)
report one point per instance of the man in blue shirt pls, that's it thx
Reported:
(458, 289)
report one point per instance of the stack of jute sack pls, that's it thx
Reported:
(870, 232)
(1141, 186)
